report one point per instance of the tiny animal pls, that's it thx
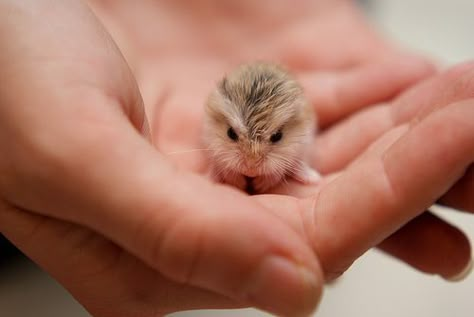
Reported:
(258, 129)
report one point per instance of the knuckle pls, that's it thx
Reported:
(460, 79)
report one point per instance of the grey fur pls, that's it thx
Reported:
(258, 100)
(262, 93)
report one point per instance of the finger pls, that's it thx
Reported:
(402, 176)
(344, 141)
(335, 96)
(426, 243)
(106, 280)
(336, 147)
(453, 85)
(324, 32)
(461, 195)
(297, 189)
(430, 245)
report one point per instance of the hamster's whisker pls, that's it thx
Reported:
(280, 167)
(285, 182)
(296, 136)
(187, 151)
(265, 170)
(291, 142)
(227, 166)
(223, 172)
(285, 164)
(299, 142)
(218, 153)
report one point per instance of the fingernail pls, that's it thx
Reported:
(284, 288)
(461, 275)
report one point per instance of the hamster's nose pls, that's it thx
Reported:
(250, 173)
(254, 160)
(252, 166)
(255, 152)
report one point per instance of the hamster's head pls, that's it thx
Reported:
(258, 122)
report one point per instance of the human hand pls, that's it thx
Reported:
(87, 197)
(89, 89)
(339, 82)
(361, 79)
(424, 156)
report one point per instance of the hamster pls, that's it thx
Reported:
(258, 129)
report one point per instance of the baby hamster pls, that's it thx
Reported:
(258, 129)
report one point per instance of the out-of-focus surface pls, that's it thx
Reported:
(440, 28)
(376, 285)
(25, 291)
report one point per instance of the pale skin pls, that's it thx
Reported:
(127, 233)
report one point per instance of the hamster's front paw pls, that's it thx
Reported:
(307, 175)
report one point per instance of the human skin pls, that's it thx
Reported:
(130, 230)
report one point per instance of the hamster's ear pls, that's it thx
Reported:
(223, 88)
(214, 106)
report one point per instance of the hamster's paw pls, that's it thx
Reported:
(212, 175)
(307, 175)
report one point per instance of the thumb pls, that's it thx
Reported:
(188, 229)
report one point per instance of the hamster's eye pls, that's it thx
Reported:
(232, 135)
(276, 137)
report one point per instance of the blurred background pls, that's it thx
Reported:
(376, 285)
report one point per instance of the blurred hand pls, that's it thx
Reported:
(84, 192)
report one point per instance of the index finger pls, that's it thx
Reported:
(337, 95)
(337, 146)
(394, 181)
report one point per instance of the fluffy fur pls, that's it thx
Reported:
(257, 101)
